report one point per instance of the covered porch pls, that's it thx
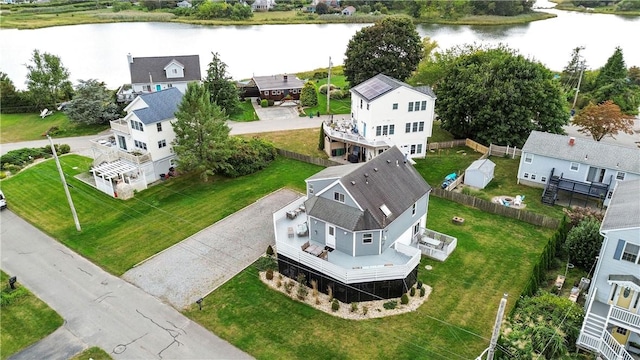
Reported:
(118, 179)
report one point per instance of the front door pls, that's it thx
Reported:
(620, 334)
(331, 236)
(158, 87)
(624, 297)
(122, 142)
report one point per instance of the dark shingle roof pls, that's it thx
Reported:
(584, 151)
(385, 180)
(142, 66)
(381, 84)
(277, 82)
(162, 105)
(623, 211)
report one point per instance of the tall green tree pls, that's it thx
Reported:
(495, 95)
(201, 133)
(612, 84)
(584, 242)
(391, 46)
(92, 103)
(46, 78)
(10, 98)
(424, 73)
(571, 73)
(308, 95)
(221, 87)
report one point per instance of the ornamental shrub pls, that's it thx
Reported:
(413, 291)
(248, 156)
(335, 305)
(354, 306)
(264, 103)
(422, 291)
(390, 305)
(269, 274)
(404, 299)
(419, 285)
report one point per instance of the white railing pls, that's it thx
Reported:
(112, 153)
(439, 252)
(351, 276)
(625, 316)
(120, 125)
(607, 346)
(358, 139)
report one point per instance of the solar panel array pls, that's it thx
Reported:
(373, 88)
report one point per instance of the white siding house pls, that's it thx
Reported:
(612, 311)
(149, 74)
(360, 229)
(575, 167)
(138, 152)
(384, 112)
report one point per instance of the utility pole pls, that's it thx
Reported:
(64, 184)
(575, 99)
(329, 87)
(496, 327)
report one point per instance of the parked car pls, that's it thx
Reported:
(3, 201)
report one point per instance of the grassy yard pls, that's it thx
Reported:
(118, 234)
(248, 113)
(337, 106)
(303, 141)
(94, 353)
(495, 255)
(440, 163)
(25, 318)
(25, 127)
(438, 134)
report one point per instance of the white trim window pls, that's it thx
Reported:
(526, 175)
(630, 253)
(620, 175)
(395, 106)
(574, 166)
(162, 143)
(338, 196)
(159, 127)
(528, 158)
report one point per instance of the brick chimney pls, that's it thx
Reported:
(572, 141)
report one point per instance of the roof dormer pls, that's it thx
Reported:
(174, 69)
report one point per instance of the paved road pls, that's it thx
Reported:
(99, 309)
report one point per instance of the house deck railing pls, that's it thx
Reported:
(434, 244)
(120, 125)
(626, 317)
(108, 152)
(346, 136)
(353, 276)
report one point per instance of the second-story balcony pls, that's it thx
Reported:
(346, 134)
(120, 125)
(105, 149)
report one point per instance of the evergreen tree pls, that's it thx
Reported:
(92, 104)
(201, 133)
(221, 87)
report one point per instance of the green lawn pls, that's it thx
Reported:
(440, 163)
(25, 318)
(118, 234)
(495, 255)
(300, 141)
(438, 134)
(248, 113)
(337, 106)
(94, 353)
(25, 127)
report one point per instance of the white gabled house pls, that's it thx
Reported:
(611, 325)
(570, 167)
(360, 229)
(384, 112)
(139, 150)
(149, 74)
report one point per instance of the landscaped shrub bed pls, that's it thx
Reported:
(15, 160)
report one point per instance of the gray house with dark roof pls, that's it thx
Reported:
(575, 168)
(138, 152)
(611, 326)
(149, 74)
(364, 228)
(278, 87)
(384, 112)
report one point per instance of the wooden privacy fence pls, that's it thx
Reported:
(307, 158)
(491, 150)
(494, 208)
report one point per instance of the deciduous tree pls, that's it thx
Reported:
(201, 133)
(92, 103)
(46, 77)
(495, 95)
(391, 46)
(602, 120)
(308, 95)
(221, 87)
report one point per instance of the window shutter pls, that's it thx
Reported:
(619, 249)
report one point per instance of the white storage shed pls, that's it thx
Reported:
(479, 173)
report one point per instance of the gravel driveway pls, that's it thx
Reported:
(199, 264)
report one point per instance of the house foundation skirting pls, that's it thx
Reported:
(348, 293)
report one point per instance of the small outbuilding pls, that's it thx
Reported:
(479, 173)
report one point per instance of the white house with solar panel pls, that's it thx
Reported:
(138, 151)
(384, 112)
